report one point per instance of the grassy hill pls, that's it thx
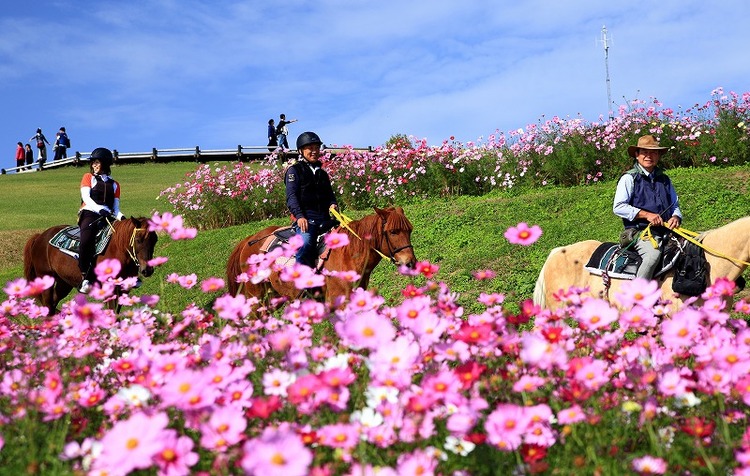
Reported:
(460, 234)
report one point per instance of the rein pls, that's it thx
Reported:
(132, 250)
(690, 236)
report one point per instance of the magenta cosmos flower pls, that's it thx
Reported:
(133, 443)
(522, 234)
(278, 451)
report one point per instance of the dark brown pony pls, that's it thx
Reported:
(131, 244)
(387, 231)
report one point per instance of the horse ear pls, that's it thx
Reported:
(382, 212)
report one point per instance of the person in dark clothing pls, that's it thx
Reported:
(29, 156)
(309, 197)
(272, 139)
(62, 143)
(100, 199)
(645, 196)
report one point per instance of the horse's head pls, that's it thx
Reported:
(141, 246)
(396, 239)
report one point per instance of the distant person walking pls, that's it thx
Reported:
(282, 131)
(29, 156)
(20, 157)
(273, 141)
(62, 142)
(41, 145)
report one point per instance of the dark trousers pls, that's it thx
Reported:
(89, 226)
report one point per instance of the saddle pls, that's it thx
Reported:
(68, 240)
(282, 235)
(621, 262)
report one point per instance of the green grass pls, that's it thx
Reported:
(460, 235)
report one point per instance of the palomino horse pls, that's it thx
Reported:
(565, 266)
(387, 231)
(131, 244)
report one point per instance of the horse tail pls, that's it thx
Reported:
(28, 263)
(540, 289)
(233, 267)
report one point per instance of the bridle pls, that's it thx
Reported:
(392, 252)
(344, 221)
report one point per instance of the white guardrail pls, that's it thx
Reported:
(255, 152)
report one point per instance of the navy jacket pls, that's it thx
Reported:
(308, 194)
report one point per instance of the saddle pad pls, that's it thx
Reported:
(603, 259)
(68, 240)
(281, 236)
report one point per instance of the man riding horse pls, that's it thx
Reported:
(645, 196)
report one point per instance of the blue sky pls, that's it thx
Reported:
(132, 75)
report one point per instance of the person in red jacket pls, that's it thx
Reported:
(20, 156)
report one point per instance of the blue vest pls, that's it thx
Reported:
(650, 193)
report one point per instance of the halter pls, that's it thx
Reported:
(344, 220)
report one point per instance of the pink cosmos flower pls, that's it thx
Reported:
(157, 261)
(639, 291)
(223, 429)
(596, 314)
(483, 274)
(420, 462)
(131, 444)
(571, 415)
(310, 281)
(295, 272)
(368, 330)
(276, 452)
(339, 435)
(15, 287)
(188, 281)
(649, 465)
(176, 455)
(593, 374)
(522, 234)
(506, 425)
(212, 285)
(336, 240)
(107, 269)
(38, 285)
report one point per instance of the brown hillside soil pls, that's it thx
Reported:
(11, 247)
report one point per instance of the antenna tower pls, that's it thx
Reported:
(605, 42)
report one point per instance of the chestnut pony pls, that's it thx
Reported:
(131, 244)
(386, 231)
(565, 266)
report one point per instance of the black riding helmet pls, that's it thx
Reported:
(307, 138)
(103, 155)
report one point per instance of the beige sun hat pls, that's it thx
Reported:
(645, 142)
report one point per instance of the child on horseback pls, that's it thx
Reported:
(309, 197)
(100, 198)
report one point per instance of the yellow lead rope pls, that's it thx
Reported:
(345, 220)
(690, 236)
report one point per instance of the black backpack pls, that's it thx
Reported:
(690, 271)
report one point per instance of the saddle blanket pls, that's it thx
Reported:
(281, 236)
(68, 240)
(618, 263)
(623, 263)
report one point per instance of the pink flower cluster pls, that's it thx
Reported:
(370, 387)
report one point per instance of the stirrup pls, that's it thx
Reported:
(85, 286)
